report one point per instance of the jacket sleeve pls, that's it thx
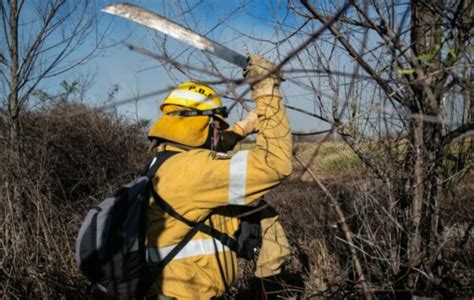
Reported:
(252, 173)
(208, 182)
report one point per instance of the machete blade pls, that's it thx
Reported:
(155, 21)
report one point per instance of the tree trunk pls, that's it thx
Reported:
(13, 104)
(426, 133)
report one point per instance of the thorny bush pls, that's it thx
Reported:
(72, 156)
(321, 264)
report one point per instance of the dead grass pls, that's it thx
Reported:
(329, 159)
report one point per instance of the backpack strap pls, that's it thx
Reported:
(221, 236)
(187, 237)
(158, 267)
(157, 161)
(169, 209)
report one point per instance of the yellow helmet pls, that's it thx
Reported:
(186, 113)
(193, 95)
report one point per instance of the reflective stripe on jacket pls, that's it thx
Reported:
(194, 183)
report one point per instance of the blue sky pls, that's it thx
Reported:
(266, 27)
(136, 74)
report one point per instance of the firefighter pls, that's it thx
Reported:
(200, 183)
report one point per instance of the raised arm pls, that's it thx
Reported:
(248, 174)
(270, 161)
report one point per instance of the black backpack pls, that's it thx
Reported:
(110, 247)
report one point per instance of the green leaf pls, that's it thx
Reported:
(406, 71)
(452, 53)
(425, 57)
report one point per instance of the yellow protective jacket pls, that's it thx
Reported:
(194, 183)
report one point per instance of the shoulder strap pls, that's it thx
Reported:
(169, 209)
(221, 236)
(157, 161)
(157, 268)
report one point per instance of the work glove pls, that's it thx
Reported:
(259, 68)
(247, 125)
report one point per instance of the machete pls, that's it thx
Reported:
(155, 21)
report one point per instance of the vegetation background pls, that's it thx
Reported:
(381, 201)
